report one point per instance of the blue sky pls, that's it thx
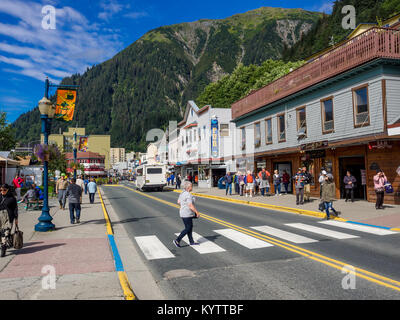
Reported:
(89, 32)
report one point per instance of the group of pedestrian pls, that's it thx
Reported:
(302, 183)
(73, 191)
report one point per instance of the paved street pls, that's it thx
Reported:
(255, 253)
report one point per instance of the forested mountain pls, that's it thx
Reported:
(150, 82)
(320, 36)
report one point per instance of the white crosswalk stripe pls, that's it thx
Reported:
(292, 237)
(322, 231)
(352, 226)
(205, 246)
(153, 248)
(243, 239)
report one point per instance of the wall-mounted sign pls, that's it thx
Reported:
(65, 106)
(380, 144)
(214, 138)
(363, 177)
(314, 145)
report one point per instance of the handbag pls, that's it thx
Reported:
(18, 238)
(388, 188)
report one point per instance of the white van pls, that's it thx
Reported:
(151, 177)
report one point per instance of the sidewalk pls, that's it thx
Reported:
(359, 211)
(79, 253)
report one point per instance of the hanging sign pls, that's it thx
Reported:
(214, 138)
(65, 106)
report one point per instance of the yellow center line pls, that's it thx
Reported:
(370, 276)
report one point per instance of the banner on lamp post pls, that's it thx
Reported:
(65, 107)
(83, 144)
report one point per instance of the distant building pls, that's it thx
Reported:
(117, 155)
(93, 143)
(93, 162)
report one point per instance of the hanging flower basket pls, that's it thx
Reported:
(46, 152)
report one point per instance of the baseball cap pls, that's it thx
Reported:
(323, 172)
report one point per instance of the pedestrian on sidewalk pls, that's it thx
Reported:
(307, 184)
(249, 181)
(328, 195)
(172, 177)
(349, 185)
(61, 190)
(299, 186)
(236, 183)
(178, 181)
(242, 185)
(228, 183)
(8, 215)
(264, 183)
(321, 181)
(80, 183)
(74, 194)
(92, 188)
(17, 183)
(187, 212)
(86, 182)
(277, 178)
(286, 180)
(379, 185)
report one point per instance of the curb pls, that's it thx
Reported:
(281, 208)
(123, 278)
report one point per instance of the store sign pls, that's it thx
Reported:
(380, 144)
(314, 145)
(214, 138)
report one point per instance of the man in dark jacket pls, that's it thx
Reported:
(228, 183)
(8, 214)
(74, 193)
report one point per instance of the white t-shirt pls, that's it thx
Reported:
(185, 199)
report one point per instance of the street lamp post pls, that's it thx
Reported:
(75, 154)
(47, 112)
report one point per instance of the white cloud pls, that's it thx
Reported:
(74, 45)
(110, 8)
(136, 15)
(326, 7)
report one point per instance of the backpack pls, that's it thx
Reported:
(264, 175)
(250, 178)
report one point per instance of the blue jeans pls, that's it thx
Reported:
(327, 206)
(286, 186)
(277, 188)
(188, 222)
(77, 208)
(229, 186)
(86, 189)
(91, 197)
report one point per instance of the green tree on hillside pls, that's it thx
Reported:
(7, 134)
(242, 81)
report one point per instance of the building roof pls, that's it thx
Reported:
(9, 161)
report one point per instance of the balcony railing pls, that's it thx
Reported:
(371, 44)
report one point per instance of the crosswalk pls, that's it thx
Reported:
(154, 249)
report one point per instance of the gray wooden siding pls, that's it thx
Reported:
(343, 118)
(393, 99)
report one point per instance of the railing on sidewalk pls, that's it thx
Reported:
(371, 44)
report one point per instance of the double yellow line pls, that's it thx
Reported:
(367, 275)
